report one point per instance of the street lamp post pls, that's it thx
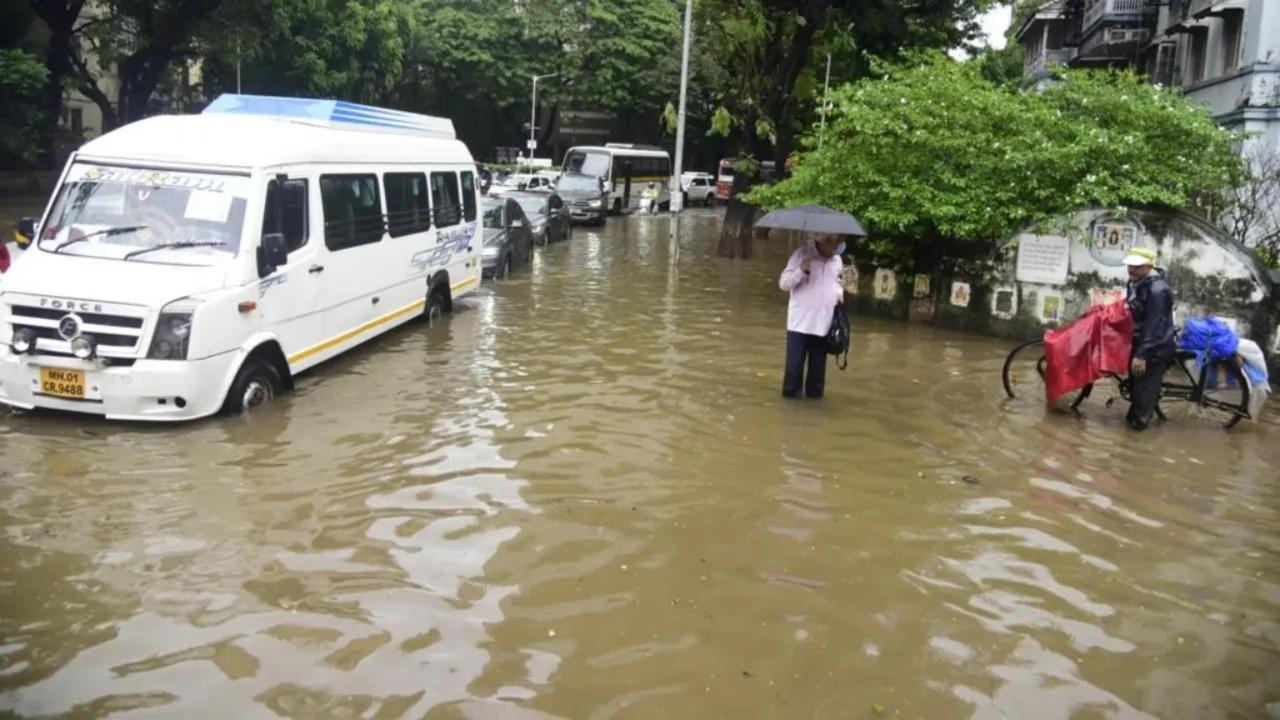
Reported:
(533, 112)
(677, 189)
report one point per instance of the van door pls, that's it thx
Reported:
(354, 260)
(465, 266)
(453, 229)
(290, 296)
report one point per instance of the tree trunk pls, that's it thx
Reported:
(739, 217)
(139, 75)
(61, 19)
(57, 59)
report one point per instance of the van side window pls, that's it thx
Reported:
(407, 208)
(289, 218)
(352, 210)
(469, 196)
(444, 198)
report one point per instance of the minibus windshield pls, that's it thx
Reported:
(147, 215)
(588, 163)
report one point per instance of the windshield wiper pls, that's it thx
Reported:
(108, 231)
(165, 246)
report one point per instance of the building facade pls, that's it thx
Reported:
(1222, 53)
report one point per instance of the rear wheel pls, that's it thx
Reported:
(1223, 401)
(257, 384)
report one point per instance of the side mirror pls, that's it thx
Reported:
(26, 231)
(272, 253)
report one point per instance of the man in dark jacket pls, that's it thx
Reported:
(1151, 302)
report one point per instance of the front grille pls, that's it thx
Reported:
(118, 335)
(104, 339)
(90, 318)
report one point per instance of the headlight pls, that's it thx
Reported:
(84, 347)
(173, 332)
(23, 340)
(490, 251)
(596, 203)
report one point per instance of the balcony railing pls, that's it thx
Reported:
(1045, 58)
(1094, 11)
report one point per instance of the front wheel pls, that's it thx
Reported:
(434, 309)
(1023, 372)
(257, 384)
(1216, 394)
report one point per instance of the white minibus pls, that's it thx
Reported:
(626, 169)
(190, 264)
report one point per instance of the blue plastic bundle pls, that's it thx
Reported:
(1211, 336)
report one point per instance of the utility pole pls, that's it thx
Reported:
(237, 66)
(533, 113)
(677, 189)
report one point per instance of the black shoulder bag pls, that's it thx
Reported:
(839, 336)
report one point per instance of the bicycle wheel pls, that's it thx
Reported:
(1217, 394)
(1023, 373)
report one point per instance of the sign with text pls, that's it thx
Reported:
(1043, 259)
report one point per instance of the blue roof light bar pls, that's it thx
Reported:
(334, 113)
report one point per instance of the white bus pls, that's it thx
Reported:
(187, 264)
(626, 169)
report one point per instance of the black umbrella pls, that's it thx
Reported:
(813, 218)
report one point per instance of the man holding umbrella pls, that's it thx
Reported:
(812, 276)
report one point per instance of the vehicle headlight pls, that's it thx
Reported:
(84, 347)
(173, 332)
(23, 340)
(596, 203)
(490, 251)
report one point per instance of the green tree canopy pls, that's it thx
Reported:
(933, 156)
(775, 54)
(22, 77)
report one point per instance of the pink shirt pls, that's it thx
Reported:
(813, 296)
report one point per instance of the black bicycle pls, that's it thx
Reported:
(1214, 392)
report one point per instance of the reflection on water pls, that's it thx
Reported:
(582, 496)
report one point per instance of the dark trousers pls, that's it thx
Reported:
(1144, 391)
(805, 349)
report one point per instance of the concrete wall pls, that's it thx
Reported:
(1209, 273)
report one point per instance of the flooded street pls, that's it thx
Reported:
(581, 495)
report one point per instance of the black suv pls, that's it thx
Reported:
(585, 196)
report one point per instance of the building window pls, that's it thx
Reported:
(1232, 28)
(1198, 38)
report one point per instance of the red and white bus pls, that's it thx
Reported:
(724, 177)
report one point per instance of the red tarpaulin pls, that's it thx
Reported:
(1096, 343)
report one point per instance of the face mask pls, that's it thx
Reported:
(840, 249)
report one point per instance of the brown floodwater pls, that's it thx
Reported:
(582, 496)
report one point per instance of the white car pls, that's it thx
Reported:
(520, 181)
(698, 188)
(196, 263)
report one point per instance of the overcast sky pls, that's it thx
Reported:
(995, 23)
